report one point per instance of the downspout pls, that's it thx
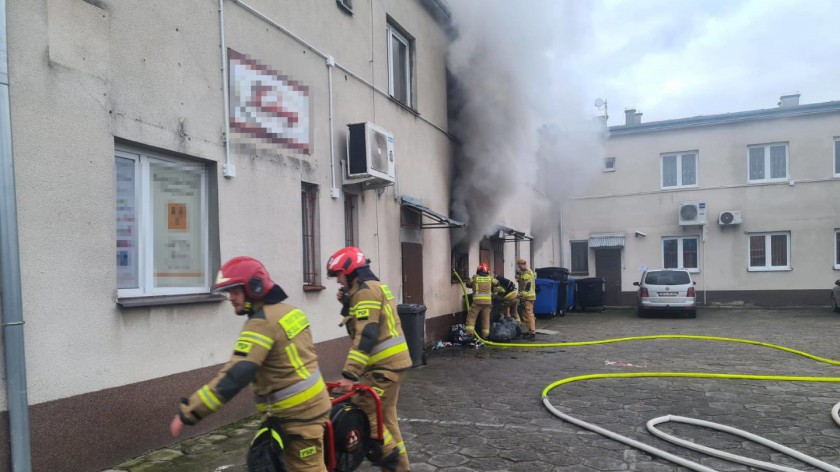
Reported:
(334, 191)
(10, 291)
(228, 169)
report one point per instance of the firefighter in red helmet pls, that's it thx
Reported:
(378, 354)
(482, 302)
(276, 356)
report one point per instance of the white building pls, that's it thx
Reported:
(746, 201)
(121, 146)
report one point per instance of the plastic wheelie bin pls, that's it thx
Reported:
(413, 320)
(545, 306)
(571, 288)
(590, 293)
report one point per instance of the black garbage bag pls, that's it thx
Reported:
(503, 330)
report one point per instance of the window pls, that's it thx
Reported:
(351, 215)
(767, 163)
(399, 66)
(679, 170)
(680, 253)
(460, 262)
(609, 164)
(769, 251)
(837, 248)
(161, 219)
(310, 227)
(837, 157)
(580, 257)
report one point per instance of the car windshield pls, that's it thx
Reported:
(667, 277)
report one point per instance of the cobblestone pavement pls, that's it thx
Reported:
(481, 410)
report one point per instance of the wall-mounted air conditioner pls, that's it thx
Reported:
(730, 217)
(370, 156)
(692, 213)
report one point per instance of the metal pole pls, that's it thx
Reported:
(10, 291)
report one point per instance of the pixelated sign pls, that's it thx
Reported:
(266, 107)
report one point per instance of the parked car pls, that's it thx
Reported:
(666, 290)
(835, 296)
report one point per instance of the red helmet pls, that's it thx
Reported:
(247, 272)
(346, 260)
(483, 267)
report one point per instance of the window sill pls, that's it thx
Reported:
(404, 106)
(313, 288)
(161, 300)
(769, 269)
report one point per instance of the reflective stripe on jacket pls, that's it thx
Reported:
(527, 284)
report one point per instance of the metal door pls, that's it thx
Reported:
(412, 272)
(608, 266)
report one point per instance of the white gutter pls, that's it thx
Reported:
(228, 170)
(10, 290)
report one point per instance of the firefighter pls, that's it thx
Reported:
(275, 354)
(527, 294)
(482, 302)
(378, 354)
(510, 298)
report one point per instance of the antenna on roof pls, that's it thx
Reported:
(599, 104)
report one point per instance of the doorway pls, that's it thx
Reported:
(608, 266)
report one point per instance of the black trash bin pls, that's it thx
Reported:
(413, 320)
(590, 292)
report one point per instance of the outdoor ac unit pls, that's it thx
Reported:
(692, 213)
(370, 156)
(730, 217)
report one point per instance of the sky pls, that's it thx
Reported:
(530, 71)
(681, 58)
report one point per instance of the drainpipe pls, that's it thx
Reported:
(228, 169)
(12, 305)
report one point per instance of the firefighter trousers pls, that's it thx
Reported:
(484, 311)
(528, 316)
(386, 383)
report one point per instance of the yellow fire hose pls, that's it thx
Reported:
(651, 425)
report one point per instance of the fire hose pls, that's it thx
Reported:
(651, 424)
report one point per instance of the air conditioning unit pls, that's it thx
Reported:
(730, 217)
(692, 213)
(370, 156)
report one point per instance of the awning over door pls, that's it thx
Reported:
(440, 221)
(511, 235)
(606, 240)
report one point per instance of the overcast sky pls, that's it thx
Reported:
(681, 58)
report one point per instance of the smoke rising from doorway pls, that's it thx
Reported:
(517, 111)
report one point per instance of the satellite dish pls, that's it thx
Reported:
(599, 103)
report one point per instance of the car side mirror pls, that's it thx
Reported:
(637, 283)
(694, 282)
(837, 282)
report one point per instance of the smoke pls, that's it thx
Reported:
(517, 110)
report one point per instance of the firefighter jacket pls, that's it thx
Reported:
(506, 288)
(527, 284)
(482, 286)
(374, 326)
(275, 353)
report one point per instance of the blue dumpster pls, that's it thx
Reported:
(571, 287)
(548, 291)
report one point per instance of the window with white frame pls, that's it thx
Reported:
(678, 170)
(162, 225)
(837, 157)
(837, 248)
(609, 164)
(680, 253)
(310, 230)
(769, 251)
(580, 257)
(399, 65)
(767, 163)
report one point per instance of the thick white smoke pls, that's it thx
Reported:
(518, 109)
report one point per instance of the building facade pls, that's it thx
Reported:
(743, 200)
(177, 135)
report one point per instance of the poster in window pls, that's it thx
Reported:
(126, 214)
(178, 248)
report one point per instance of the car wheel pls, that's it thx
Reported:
(641, 313)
